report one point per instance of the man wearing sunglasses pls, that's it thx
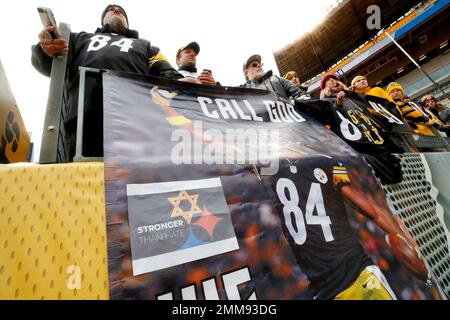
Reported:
(258, 79)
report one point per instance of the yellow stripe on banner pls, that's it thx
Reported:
(53, 232)
(341, 175)
(340, 178)
(178, 120)
(339, 168)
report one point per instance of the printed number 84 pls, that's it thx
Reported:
(293, 215)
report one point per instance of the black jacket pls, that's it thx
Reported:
(276, 84)
(102, 50)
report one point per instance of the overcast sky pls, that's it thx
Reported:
(228, 32)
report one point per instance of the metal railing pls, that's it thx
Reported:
(55, 140)
(84, 73)
(54, 145)
(409, 141)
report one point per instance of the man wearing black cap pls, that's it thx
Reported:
(187, 59)
(258, 79)
(113, 46)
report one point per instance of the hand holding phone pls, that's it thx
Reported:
(206, 77)
(48, 20)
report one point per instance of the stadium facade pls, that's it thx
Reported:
(345, 44)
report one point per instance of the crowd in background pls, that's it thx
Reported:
(420, 114)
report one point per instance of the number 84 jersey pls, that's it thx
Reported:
(311, 206)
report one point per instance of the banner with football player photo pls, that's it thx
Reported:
(229, 193)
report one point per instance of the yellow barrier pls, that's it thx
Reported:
(53, 232)
(14, 139)
(53, 228)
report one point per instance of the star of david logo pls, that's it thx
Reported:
(177, 211)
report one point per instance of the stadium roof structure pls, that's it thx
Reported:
(343, 30)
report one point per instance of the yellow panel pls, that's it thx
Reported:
(12, 128)
(53, 232)
(178, 121)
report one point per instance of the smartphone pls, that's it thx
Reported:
(207, 71)
(48, 19)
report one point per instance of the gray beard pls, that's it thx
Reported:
(116, 25)
(257, 78)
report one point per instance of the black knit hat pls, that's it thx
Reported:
(109, 7)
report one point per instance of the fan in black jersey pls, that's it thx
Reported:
(113, 46)
(351, 120)
(310, 193)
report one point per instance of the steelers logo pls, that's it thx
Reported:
(320, 175)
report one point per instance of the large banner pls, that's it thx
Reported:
(230, 193)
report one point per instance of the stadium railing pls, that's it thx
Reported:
(54, 145)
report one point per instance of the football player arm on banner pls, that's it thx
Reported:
(398, 238)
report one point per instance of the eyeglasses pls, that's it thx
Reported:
(255, 64)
